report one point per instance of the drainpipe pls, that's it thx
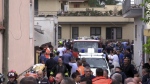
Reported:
(5, 39)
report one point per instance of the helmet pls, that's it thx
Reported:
(60, 42)
(2, 79)
(12, 74)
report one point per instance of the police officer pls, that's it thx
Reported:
(128, 68)
(59, 68)
(41, 78)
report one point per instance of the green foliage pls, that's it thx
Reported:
(110, 2)
(147, 46)
(93, 3)
(147, 11)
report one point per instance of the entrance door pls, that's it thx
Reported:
(109, 33)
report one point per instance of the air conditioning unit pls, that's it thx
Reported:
(66, 8)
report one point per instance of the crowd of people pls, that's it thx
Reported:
(63, 66)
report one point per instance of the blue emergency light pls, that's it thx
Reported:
(82, 50)
(99, 50)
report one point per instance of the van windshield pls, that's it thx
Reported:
(85, 44)
(97, 63)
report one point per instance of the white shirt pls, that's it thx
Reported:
(115, 61)
(61, 49)
(74, 67)
(64, 48)
(111, 57)
(115, 58)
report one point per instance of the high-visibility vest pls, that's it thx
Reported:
(101, 80)
(81, 70)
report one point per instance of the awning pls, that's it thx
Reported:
(146, 32)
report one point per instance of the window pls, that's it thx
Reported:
(76, 5)
(36, 6)
(135, 32)
(75, 32)
(59, 32)
(113, 33)
(119, 33)
(95, 31)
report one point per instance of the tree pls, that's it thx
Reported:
(93, 3)
(147, 46)
(146, 4)
(146, 19)
(110, 2)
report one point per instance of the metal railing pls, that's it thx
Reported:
(78, 13)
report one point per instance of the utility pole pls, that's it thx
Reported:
(6, 39)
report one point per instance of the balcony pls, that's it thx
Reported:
(131, 10)
(93, 20)
(106, 8)
(93, 17)
(88, 16)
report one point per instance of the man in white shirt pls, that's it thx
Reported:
(110, 56)
(115, 60)
(74, 66)
(61, 50)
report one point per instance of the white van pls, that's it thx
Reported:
(95, 60)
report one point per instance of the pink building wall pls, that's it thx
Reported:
(1, 40)
(21, 47)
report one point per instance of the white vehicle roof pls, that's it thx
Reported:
(92, 57)
(86, 40)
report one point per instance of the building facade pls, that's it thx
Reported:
(136, 11)
(20, 46)
(76, 19)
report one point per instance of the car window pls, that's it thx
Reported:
(85, 44)
(97, 62)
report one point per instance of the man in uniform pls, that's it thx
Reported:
(41, 79)
(128, 68)
(59, 68)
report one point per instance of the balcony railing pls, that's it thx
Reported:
(88, 12)
(127, 6)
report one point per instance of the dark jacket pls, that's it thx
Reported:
(129, 70)
(59, 69)
(15, 82)
(43, 81)
(50, 63)
(146, 79)
(91, 77)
